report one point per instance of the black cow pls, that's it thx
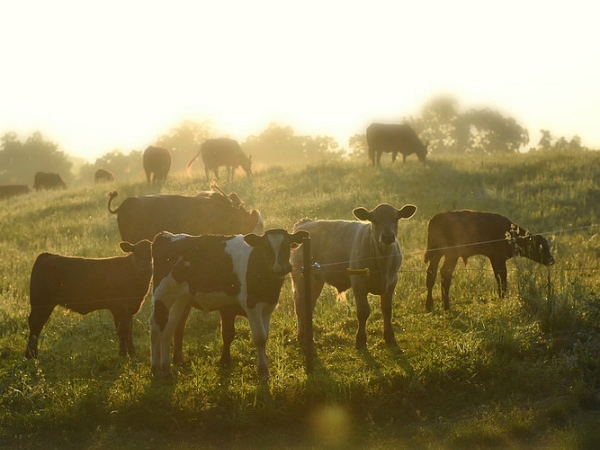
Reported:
(222, 152)
(464, 233)
(157, 163)
(44, 180)
(394, 139)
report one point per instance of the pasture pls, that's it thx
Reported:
(522, 372)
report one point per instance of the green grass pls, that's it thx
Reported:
(522, 372)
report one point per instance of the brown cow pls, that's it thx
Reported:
(83, 285)
(11, 190)
(209, 212)
(104, 176)
(364, 256)
(44, 180)
(157, 163)
(394, 139)
(222, 152)
(461, 234)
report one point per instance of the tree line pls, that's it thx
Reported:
(441, 123)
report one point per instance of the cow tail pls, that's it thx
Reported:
(188, 168)
(111, 195)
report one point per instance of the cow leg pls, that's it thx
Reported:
(259, 318)
(499, 266)
(299, 295)
(386, 312)
(178, 336)
(363, 311)
(394, 154)
(227, 333)
(378, 157)
(163, 322)
(431, 276)
(37, 319)
(446, 274)
(123, 324)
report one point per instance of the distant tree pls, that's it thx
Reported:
(19, 161)
(184, 141)
(358, 146)
(279, 145)
(123, 166)
(545, 142)
(439, 124)
(491, 132)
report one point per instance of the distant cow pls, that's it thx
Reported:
(44, 180)
(236, 275)
(222, 152)
(104, 176)
(11, 190)
(364, 256)
(394, 139)
(461, 234)
(84, 285)
(157, 163)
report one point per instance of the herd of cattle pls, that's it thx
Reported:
(210, 253)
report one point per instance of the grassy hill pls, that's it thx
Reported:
(522, 372)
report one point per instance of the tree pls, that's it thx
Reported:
(123, 166)
(491, 132)
(440, 124)
(19, 161)
(184, 141)
(358, 145)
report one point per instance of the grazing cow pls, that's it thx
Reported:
(84, 285)
(394, 139)
(236, 275)
(222, 152)
(461, 234)
(44, 180)
(157, 163)
(11, 190)
(209, 212)
(364, 256)
(104, 176)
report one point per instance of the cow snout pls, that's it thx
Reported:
(282, 269)
(387, 238)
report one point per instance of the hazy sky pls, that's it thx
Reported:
(94, 76)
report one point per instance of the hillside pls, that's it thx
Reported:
(521, 372)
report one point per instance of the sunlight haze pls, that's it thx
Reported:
(98, 76)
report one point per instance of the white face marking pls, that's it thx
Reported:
(276, 242)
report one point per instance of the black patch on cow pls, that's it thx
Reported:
(206, 267)
(262, 284)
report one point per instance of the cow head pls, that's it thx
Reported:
(384, 221)
(142, 258)
(274, 246)
(535, 247)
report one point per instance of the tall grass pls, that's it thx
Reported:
(519, 372)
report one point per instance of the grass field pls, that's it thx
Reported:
(522, 372)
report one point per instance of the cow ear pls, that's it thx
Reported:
(361, 214)
(407, 211)
(126, 247)
(252, 239)
(298, 238)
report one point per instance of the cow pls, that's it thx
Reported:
(157, 163)
(363, 255)
(394, 139)
(11, 190)
(104, 176)
(83, 285)
(209, 212)
(222, 152)
(44, 180)
(464, 233)
(236, 275)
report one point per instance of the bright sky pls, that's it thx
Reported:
(94, 76)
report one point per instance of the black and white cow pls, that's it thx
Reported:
(236, 275)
